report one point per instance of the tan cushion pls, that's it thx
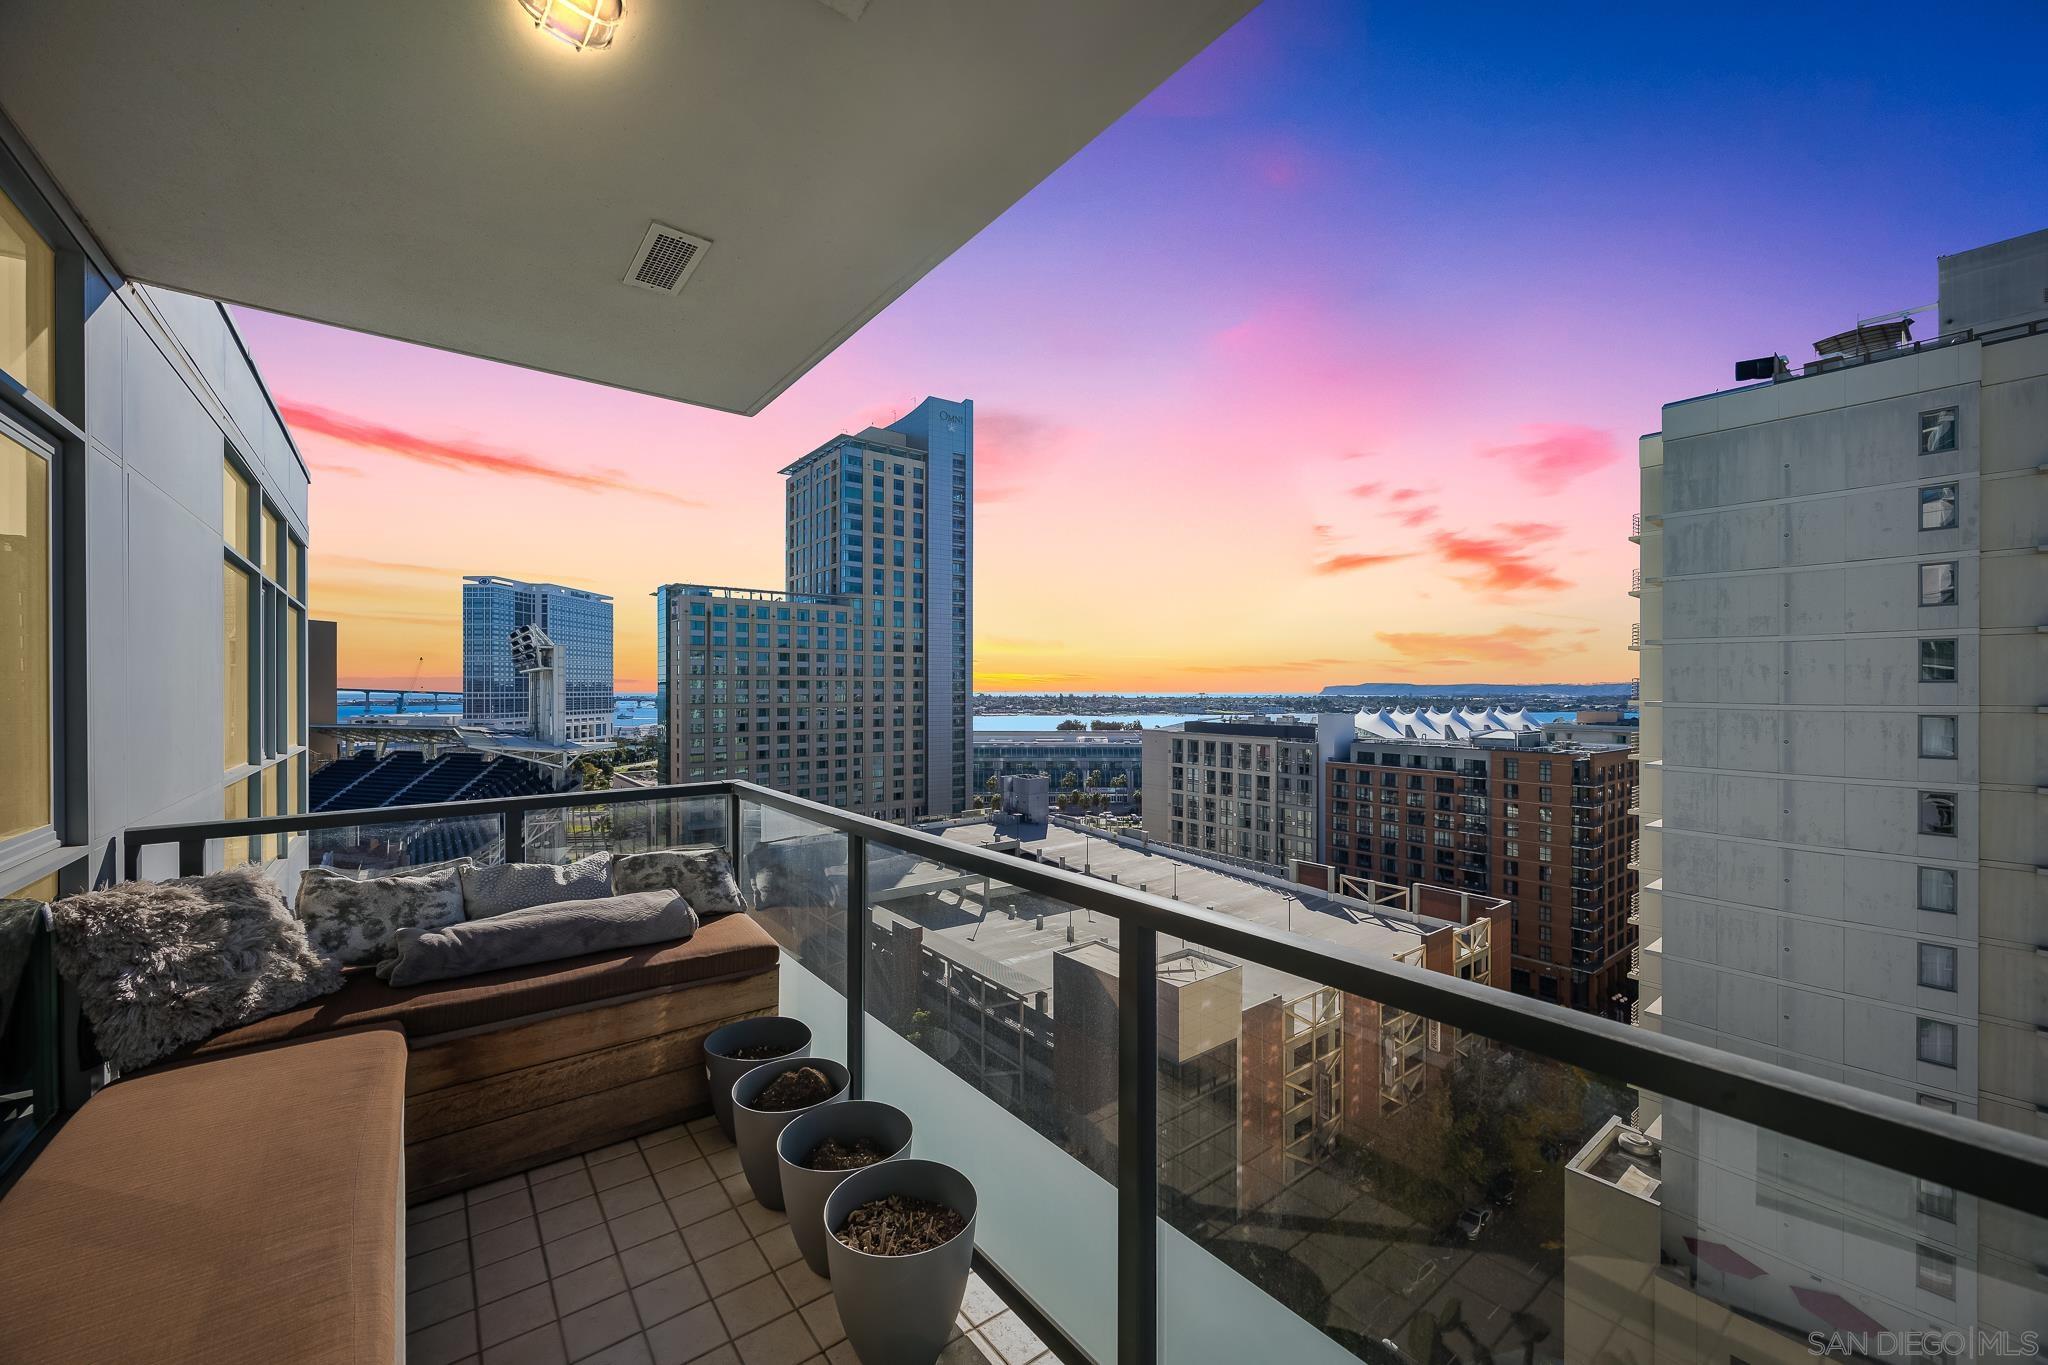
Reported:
(731, 946)
(239, 1211)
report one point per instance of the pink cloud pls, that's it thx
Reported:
(469, 457)
(1366, 490)
(1348, 563)
(1006, 441)
(1417, 516)
(1506, 645)
(1556, 452)
(1500, 566)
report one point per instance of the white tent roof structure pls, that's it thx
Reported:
(1452, 726)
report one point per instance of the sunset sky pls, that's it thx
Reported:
(1325, 364)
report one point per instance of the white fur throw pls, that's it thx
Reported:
(161, 965)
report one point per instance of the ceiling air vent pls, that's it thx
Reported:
(666, 258)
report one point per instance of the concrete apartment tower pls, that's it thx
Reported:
(854, 686)
(495, 688)
(1844, 594)
(1843, 831)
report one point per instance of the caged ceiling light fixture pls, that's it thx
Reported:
(579, 23)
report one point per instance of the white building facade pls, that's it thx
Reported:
(1844, 739)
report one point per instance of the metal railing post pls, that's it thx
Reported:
(515, 835)
(732, 827)
(191, 857)
(856, 958)
(1137, 1147)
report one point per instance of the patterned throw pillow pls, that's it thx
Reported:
(700, 872)
(158, 966)
(350, 921)
(497, 887)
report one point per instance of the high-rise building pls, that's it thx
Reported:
(153, 540)
(1488, 802)
(495, 685)
(1247, 789)
(1843, 668)
(1842, 842)
(853, 686)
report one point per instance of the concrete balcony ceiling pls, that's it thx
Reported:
(449, 175)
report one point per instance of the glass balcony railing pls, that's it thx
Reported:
(1199, 1139)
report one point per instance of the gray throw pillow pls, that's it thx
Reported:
(350, 920)
(159, 966)
(545, 933)
(496, 888)
(699, 871)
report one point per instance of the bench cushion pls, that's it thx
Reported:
(731, 946)
(239, 1211)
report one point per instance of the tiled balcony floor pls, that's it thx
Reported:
(650, 1252)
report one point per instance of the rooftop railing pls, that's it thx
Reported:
(1197, 1138)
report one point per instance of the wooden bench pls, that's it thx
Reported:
(244, 1202)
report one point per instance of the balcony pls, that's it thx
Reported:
(1635, 582)
(1635, 635)
(1106, 1065)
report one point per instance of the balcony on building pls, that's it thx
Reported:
(1210, 1116)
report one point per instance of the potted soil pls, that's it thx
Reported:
(765, 1100)
(900, 1244)
(734, 1050)
(821, 1148)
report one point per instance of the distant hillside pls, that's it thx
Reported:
(1476, 690)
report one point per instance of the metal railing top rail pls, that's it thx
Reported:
(1997, 1164)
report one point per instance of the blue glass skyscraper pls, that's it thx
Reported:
(579, 622)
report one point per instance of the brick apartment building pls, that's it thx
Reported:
(1541, 823)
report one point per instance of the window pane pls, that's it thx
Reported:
(28, 304)
(25, 737)
(1937, 736)
(1937, 431)
(294, 568)
(1937, 1272)
(294, 621)
(235, 806)
(1937, 507)
(273, 546)
(1937, 1042)
(234, 511)
(236, 620)
(1937, 661)
(1937, 966)
(1937, 585)
(1937, 813)
(1938, 890)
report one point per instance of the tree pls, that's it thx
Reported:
(1119, 781)
(994, 785)
(1095, 777)
(1071, 780)
(1070, 725)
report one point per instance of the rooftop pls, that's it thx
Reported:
(1017, 941)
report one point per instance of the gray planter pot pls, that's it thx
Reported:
(804, 1190)
(755, 1130)
(899, 1310)
(722, 1070)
